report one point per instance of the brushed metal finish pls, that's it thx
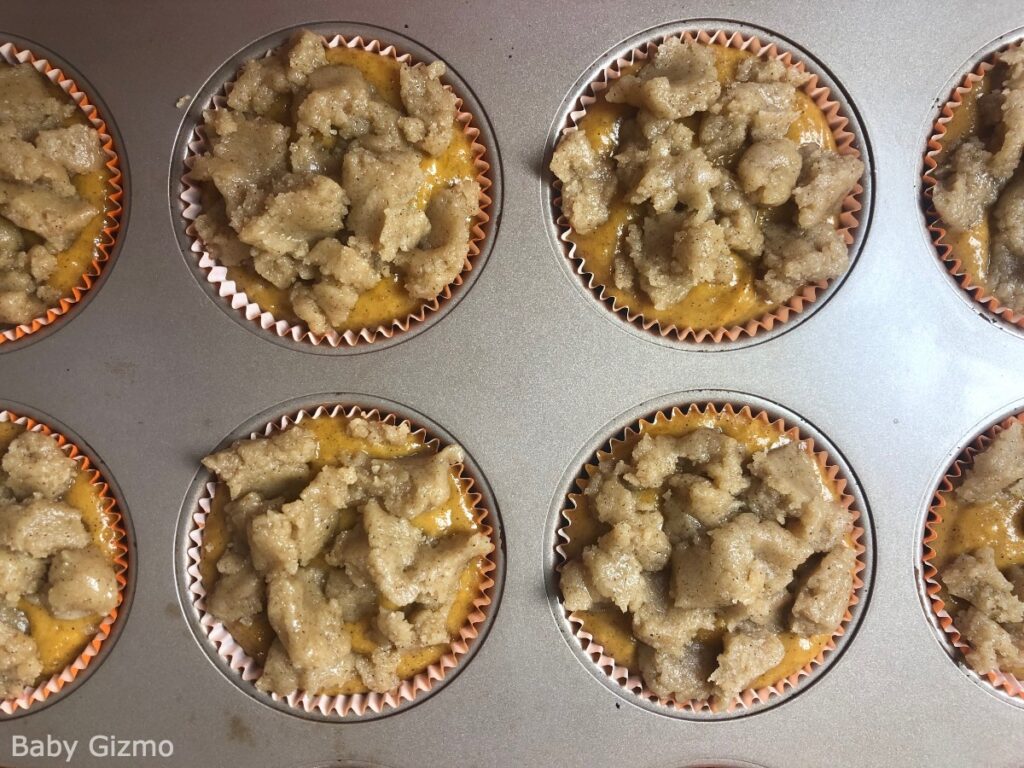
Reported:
(897, 369)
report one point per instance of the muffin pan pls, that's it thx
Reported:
(898, 370)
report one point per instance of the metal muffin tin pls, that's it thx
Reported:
(897, 370)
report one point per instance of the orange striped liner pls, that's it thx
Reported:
(115, 522)
(115, 193)
(631, 680)
(849, 216)
(975, 289)
(933, 589)
(358, 704)
(227, 289)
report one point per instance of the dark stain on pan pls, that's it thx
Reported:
(238, 731)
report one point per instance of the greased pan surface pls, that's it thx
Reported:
(898, 370)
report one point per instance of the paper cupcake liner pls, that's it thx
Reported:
(112, 215)
(936, 228)
(632, 680)
(1003, 681)
(217, 275)
(249, 670)
(849, 220)
(115, 522)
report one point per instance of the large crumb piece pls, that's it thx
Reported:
(237, 596)
(347, 271)
(976, 579)
(27, 103)
(82, 584)
(826, 178)
(20, 575)
(666, 628)
(417, 484)
(383, 190)
(768, 171)
(680, 80)
(36, 465)
(997, 469)
(380, 671)
(588, 182)
(794, 258)
(55, 218)
(1006, 159)
(22, 162)
(1006, 257)
(966, 188)
(577, 594)
(430, 106)
(744, 659)
(437, 570)
(683, 676)
(306, 211)
(306, 625)
(822, 601)
(42, 527)
(746, 561)
(264, 464)
(442, 253)
(993, 646)
(754, 111)
(19, 662)
(76, 148)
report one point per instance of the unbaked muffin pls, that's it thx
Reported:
(342, 554)
(53, 193)
(703, 187)
(710, 553)
(339, 189)
(58, 576)
(979, 555)
(979, 195)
